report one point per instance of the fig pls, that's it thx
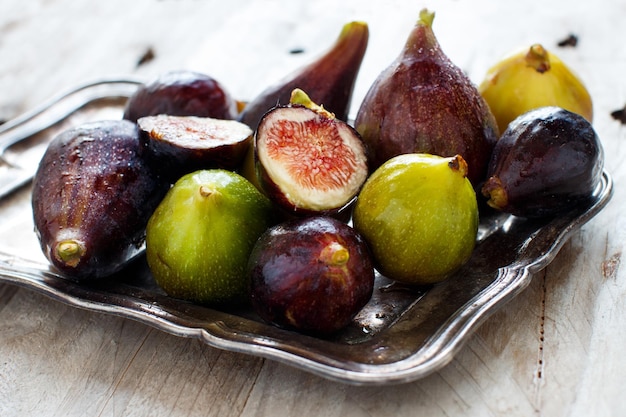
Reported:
(547, 161)
(183, 144)
(312, 275)
(92, 196)
(419, 215)
(200, 237)
(423, 103)
(329, 79)
(529, 78)
(181, 93)
(307, 161)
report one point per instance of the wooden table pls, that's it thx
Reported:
(555, 350)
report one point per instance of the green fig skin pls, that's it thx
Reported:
(93, 194)
(200, 237)
(424, 103)
(329, 79)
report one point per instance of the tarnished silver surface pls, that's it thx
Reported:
(403, 333)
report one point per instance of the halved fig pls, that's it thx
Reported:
(183, 144)
(306, 160)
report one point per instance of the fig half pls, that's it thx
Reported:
(184, 144)
(308, 161)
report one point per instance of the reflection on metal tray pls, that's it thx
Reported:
(403, 333)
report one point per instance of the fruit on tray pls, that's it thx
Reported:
(548, 160)
(529, 78)
(92, 196)
(312, 274)
(423, 103)
(308, 161)
(419, 215)
(200, 237)
(183, 144)
(329, 79)
(181, 93)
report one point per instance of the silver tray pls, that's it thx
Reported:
(403, 333)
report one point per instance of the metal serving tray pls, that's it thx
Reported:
(403, 334)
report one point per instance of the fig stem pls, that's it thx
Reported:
(494, 190)
(537, 58)
(335, 254)
(69, 252)
(457, 163)
(299, 97)
(426, 18)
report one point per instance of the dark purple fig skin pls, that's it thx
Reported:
(94, 188)
(329, 79)
(274, 190)
(181, 93)
(546, 162)
(424, 103)
(295, 286)
(179, 145)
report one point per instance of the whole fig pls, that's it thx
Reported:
(423, 103)
(313, 275)
(529, 78)
(93, 194)
(181, 93)
(547, 161)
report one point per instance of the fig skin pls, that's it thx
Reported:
(419, 215)
(312, 275)
(530, 78)
(547, 161)
(92, 196)
(181, 93)
(199, 238)
(424, 103)
(307, 161)
(329, 79)
(183, 144)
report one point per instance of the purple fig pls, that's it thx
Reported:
(312, 275)
(181, 93)
(423, 103)
(92, 197)
(329, 79)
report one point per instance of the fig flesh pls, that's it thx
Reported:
(183, 144)
(308, 161)
(92, 196)
(547, 161)
(419, 215)
(200, 237)
(312, 275)
(530, 78)
(329, 79)
(181, 93)
(424, 103)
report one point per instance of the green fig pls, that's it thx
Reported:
(329, 79)
(199, 238)
(424, 103)
(419, 215)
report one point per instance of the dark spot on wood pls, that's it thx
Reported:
(619, 115)
(147, 56)
(571, 40)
